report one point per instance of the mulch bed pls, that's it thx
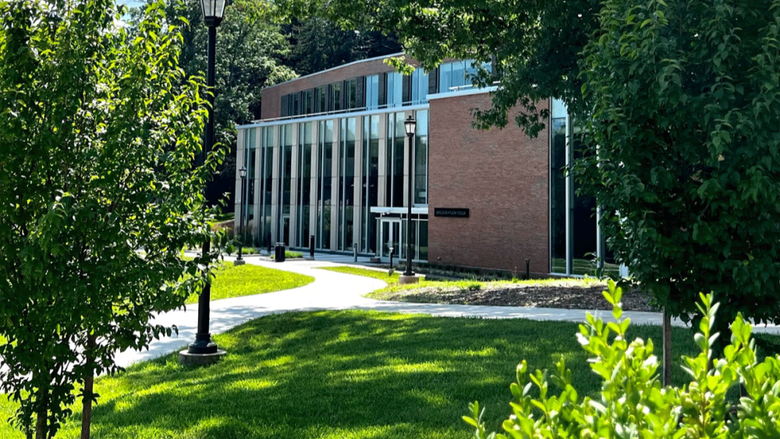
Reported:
(566, 295)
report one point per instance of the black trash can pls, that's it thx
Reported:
(279, 254)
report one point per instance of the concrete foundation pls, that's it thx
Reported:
(188, 359)
(413, 279)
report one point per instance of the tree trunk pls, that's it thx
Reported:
(667, 346)
(89, 383)
(41, 421)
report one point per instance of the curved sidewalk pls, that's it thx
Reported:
(337, 291)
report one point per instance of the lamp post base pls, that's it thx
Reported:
(408, 279)
(186, 358)
(238, 262)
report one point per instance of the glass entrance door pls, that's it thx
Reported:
(390, 237)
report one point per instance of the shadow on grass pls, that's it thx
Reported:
(350, 374)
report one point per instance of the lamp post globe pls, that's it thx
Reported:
(203, 347)
(410, 125)
(242, 174)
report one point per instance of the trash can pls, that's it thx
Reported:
(279, 254)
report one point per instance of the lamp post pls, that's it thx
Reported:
(410, 124)
(242, 174)
(203, 350)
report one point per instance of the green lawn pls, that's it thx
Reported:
(393, 285)
(339, 375)
(247, 280)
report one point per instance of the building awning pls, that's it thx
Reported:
(400, 210)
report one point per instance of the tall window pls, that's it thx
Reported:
(419, 86)
(335, 96)
(346, 183)
(370, 182)
(325, 163)
(267, 159)
(396, 136)
(372, 92)
(321, 99)
(304, 182)
(285, 175)
(421, 159)
(350, 92)
(248, 191)
(395, 89)
(308, 102)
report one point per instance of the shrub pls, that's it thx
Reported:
(632, 402)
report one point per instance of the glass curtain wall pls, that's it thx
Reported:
(558, 191)
(372, 92)
(421, 159)
(304, 182)
(573, 226)
(419, 86)
(325, 173)
(396, 136)
(285, 182)
(346, 183)
(395, 89)
(370, 182)
(267, 159)
(247, 202)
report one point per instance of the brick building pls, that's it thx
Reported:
(328, 160)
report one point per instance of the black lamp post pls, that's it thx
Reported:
(213, 10)
(410, 124)
(242, 174)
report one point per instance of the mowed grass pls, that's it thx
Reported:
(341, 375)
(247, 280)
(393, 286)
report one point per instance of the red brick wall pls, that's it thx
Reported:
(270, 106)
(501, 176)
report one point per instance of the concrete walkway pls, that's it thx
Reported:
(337, 291)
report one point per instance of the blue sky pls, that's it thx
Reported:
(130, 3)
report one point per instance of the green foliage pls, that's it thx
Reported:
(685, 106)
(98, 195)
(632, 402)
(525, 41)
(319, 44)
(250, 55)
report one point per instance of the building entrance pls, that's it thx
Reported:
(390, 237)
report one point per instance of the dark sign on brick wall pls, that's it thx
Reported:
(451, 212)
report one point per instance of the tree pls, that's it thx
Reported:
(682, 96)
(250, 56)
(685, 109)
(98, 196)
(319, 44)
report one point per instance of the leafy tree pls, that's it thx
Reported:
(250, 56)
(319, 44)
(685, 108)
(682, 98)
(98, 196)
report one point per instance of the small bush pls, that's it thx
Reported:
(474, 286)
(632, 403)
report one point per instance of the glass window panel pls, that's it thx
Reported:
(335, 96)
(458, 72)
(372, 92)
(423, 243)
(445, 77)
(394, 89)
(583, 228)
(421, 159)
(558, 195)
